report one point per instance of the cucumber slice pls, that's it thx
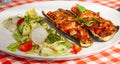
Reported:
(20, 27)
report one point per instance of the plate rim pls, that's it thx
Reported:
(58, 57)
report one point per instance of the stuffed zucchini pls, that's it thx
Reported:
(101, 28)
(66, 23)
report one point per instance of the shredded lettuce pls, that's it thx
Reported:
(14, 46)
(32, 14)
(67, 43)
(34, 50)
(51, 31)
(17, 36)
(54, 49)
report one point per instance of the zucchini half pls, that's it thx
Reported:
(88, 15)
(82, 42)
(106, 38)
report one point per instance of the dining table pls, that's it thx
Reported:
(108, 56)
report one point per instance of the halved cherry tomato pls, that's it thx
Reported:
(24, 47)
(20, 21)
(74, 8)
(76, 48)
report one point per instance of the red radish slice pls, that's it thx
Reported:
(38, 35)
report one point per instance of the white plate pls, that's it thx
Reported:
(108, 13)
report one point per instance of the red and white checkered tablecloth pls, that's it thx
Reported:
(110, 56)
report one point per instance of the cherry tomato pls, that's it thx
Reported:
(76, 48)
(24, 47)
(20, 21)
(74, 8)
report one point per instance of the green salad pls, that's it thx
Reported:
(34, 36)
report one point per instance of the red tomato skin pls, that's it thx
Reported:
(20, 21)
(76, 49)
(24, 47)
(74, 9)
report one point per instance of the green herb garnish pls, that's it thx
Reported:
(87, 23)
(81, 8)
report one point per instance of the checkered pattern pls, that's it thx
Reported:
(110, 56)
(110, 3)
